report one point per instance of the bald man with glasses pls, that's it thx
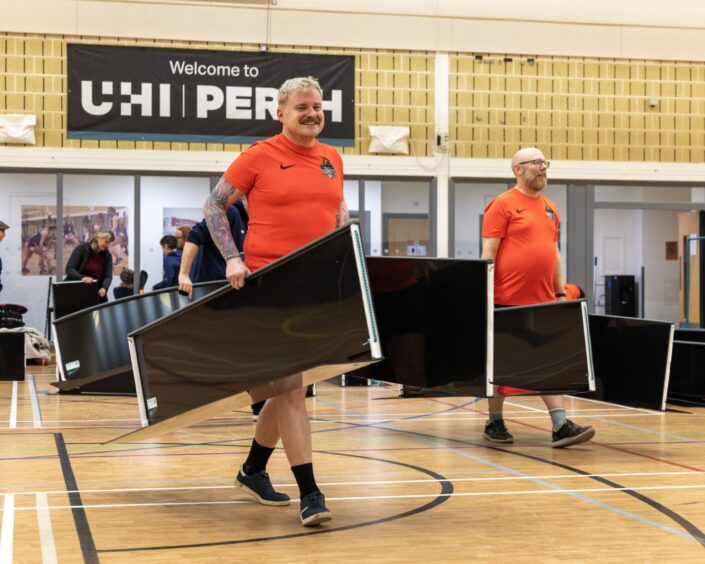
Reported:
(520, 234)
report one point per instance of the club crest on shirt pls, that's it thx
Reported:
(327, 168)
(550, 214)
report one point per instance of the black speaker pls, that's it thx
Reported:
(11, 356)
(620, 295)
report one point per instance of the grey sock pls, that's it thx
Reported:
(496, 416)
(557, 417)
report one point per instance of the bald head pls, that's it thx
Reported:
(531, 179)
(526, 154)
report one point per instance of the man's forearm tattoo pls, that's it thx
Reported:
(214, 212)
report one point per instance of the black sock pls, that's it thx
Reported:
(304, 478)
(257, 459)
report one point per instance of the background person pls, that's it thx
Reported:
(127, 284)
(520, 234)
(181, 235)
(201, 260)
(93, 263)
(172, 263)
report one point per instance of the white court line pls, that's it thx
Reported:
(36, 412)
(46, 536)
(375, 482)
(427, 414)
(322, 421)
(131, 420)
(478, 417)
(12, 423)
(525, 407)
(642, 409)
(375, 497)
(8, 529)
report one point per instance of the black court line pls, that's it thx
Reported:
(90, 556)
(442, 497)
(694, 531)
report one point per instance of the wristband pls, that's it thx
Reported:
(560, 295)
(238, 256)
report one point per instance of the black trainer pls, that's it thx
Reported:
(314, 510)
(496, 431)
(571, 434)
(259, 486)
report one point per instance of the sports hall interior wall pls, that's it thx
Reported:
(392, 88)
(575, 108)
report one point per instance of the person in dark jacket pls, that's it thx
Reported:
(172, 263)
(202, 261)
(92, 262)
(127, 284)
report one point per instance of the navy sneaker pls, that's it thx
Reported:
(314, 510)
(259, 486)
(571, 434)
(496, 431)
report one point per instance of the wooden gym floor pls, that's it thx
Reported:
(408, 480)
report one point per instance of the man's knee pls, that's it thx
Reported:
(293, 398)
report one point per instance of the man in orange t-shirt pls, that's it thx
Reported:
(294, 189)
(520, 234)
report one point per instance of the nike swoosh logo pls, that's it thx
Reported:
(284, 167)
(520, 211)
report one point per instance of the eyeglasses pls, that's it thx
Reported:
(538, 163)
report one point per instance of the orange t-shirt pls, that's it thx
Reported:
(573, 291)
(293, 195)
(526, 259)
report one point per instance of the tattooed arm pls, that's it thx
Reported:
(342, 216)
(214, 211)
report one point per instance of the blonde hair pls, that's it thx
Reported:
(185, 230)
(298, 83)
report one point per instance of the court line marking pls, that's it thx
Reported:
(372, 482)
(381, 416)
(579, 493)
(576, 412)
(12, 422)
(553, 490)
(436, 441)
(470, 417)
(646, 431)
(427, 414)
(46, 536)
(36, 411)
(8, 529)
(643, 409)
(320, 421)
(80, 519)
(80, 420)
(530, 408)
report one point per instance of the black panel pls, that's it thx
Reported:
(630, 358)
(302, 311)
(701, 267)
(11, 356)
(96, 338)
(541, 348)
(687, 381)
(620, 295)
(70, 297)
(432, 319)
(690, 335)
